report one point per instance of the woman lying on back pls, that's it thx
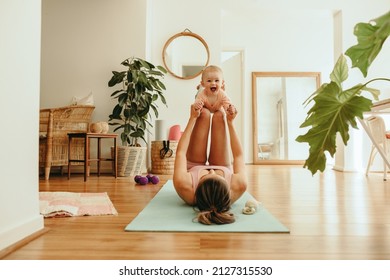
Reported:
(210, 181)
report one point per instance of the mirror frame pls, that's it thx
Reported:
(181, 34)
(255, 75)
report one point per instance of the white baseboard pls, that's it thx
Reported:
(20, 231)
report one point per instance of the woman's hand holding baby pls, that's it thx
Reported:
(231, 112)
(198, 104)
(195, 110)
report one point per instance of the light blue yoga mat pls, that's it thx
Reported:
(167, 212)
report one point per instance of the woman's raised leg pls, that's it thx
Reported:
(219, 152)
(197, 149)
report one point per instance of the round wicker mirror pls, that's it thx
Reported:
(185, 55)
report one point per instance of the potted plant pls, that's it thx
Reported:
(336, 109)
(137, 101)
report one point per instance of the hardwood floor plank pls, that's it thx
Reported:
(334, 215)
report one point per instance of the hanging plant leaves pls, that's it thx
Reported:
(334, 110)
(371, 37)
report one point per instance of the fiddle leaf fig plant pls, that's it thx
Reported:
(141, 88)
(335, 109)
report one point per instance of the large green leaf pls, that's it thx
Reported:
(117, 77)
(161, 85)
(340, 71)
(162, 69)
(371, 37)
(122, 99)
(333, 112)
(116, 112)
(116, 92)
(146, 64)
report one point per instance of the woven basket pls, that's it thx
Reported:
(163, 165)
(130, 160)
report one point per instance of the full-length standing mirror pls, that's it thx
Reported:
(278, 111)
(185, 55)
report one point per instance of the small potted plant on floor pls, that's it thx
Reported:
(137, 98)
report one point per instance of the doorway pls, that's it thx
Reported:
(232, 64)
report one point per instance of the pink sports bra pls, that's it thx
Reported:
(196, 170)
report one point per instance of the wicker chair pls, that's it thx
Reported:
(54, 126)
(377, 128)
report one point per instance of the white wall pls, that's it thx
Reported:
(20, 23)
(82, 42)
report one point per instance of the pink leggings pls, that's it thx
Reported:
(191, 164)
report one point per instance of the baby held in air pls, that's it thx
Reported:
(211, 94)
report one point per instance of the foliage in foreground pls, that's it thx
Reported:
(335, 109)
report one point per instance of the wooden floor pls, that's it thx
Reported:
(333, 215)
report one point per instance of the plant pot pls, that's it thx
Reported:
(130, 160)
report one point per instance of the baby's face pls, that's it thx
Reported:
(212, 81)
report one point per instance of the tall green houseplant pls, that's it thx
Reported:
(137, 99)
(336, 109)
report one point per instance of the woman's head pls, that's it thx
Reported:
(213, 201)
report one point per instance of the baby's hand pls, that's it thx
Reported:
(198, 104)
(226, 103)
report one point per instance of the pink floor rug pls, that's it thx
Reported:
(69, 204)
